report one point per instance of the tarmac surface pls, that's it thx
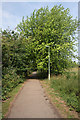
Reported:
(32, 103)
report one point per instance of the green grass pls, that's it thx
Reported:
(64, 92)
(6, 104)
(67, 87)
(65, 111)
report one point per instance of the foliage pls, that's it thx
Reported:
(17, 57)
(67, 86)
(14, 51)
(55, 28)
(9, 81)
(25, 51)
(6, 105)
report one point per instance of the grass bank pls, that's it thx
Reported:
(63, 89)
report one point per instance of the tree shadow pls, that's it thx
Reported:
(37, 75)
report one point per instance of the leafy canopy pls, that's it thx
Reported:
(55, 28)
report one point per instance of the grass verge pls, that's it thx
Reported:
(7, 103)
(63, 91)
(60, 104)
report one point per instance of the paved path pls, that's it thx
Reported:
(32, 103)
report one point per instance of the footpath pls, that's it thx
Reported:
(32, 103)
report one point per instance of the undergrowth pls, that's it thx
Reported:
(9, 81)
(67, 86)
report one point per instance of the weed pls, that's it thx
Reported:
(67, 86)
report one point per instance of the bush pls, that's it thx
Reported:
(9, 81)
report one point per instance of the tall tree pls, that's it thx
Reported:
(55, 28)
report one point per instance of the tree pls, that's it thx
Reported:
(55, 28)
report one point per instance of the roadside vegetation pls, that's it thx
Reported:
(7, 103)
(65, 87)
(24, 51)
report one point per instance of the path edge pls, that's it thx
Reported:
(12, 102)
(51, 103)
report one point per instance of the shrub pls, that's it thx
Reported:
(9, 81)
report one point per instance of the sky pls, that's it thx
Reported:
(12, 12)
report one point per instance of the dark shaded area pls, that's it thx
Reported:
(38, 75)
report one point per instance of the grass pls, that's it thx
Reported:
(67, 86)
(6, 104)
(63, 89)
